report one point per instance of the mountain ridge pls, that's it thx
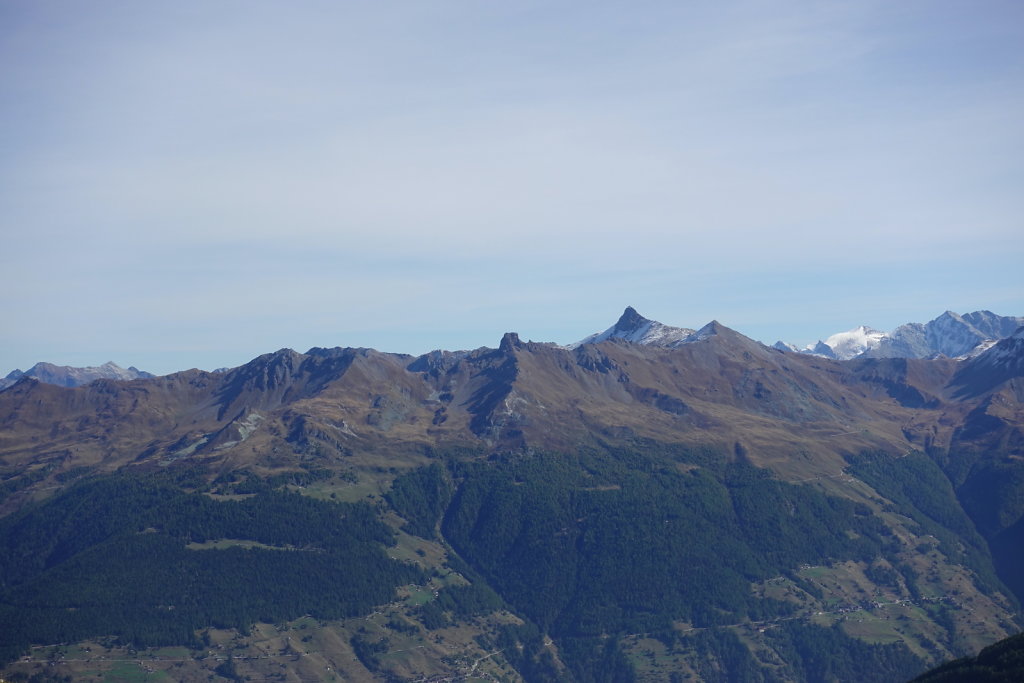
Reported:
(71, 376)
(949, 334)
(729, 379)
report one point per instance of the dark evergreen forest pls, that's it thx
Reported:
(585, 547)
(110, 557)
(597, 544)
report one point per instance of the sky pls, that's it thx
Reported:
(192, 184)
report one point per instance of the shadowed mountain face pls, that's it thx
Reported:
(1002, 364)
(1002, 662)
(552, 454)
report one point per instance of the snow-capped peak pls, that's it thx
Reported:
(633, 327)
(950, 335)
(847, 345)
(69, 376)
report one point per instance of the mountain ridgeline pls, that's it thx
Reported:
(651, 503)
(67, 376)
(951, 335)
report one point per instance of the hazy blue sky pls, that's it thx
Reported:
(195, 183)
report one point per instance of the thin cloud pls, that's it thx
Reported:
(244, 164)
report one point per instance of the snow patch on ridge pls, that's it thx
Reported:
(981, 348)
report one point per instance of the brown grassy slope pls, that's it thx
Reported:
(795, 413)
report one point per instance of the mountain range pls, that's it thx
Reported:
(68, 376)
(649, 503)
(951, 335)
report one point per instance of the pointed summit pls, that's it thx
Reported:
(633, 327)
(712, 329)
(630, 321)
(722, 334)
(821, 349)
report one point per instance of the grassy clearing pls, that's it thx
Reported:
(414, 549)
(647, 656)
(131, 672)
(222, 543)
(228, 496)
(783, 590)
(303, 623)
(871, 628)
(368, 486)
(419, 596)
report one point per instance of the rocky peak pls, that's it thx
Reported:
(635, 328)
(713, 328)
(630, 321)
(822, 349)
(509, 342)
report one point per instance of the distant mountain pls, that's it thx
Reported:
(951, 335)
(860, 340)
(68, 376)
(633, 327)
